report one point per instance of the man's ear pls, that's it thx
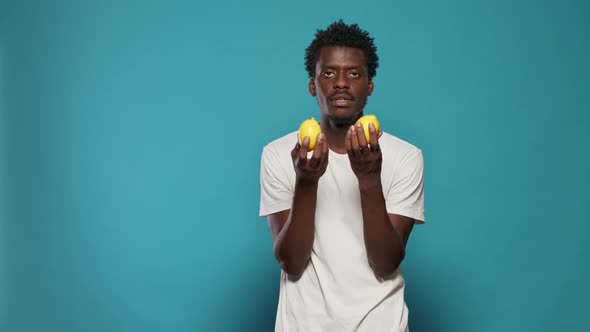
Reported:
(371, 87)
(311, 87)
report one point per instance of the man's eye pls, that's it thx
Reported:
(328, 74)
(355, 75)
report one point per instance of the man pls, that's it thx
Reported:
(340, 216)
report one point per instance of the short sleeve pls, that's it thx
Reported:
(276, 193)
(406, 194)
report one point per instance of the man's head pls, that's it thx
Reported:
(341, 62)
(341, 34)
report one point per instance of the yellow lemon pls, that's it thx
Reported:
(365, 120)
(311, 128)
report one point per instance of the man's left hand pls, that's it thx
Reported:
(365, 159)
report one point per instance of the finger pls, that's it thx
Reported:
(374, 138)
(295, 150)
(304, 148)
(317, 152)
(354, 141)
(380, 133)
(362, 140)
(348, 143)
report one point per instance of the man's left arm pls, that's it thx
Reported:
(385, 234)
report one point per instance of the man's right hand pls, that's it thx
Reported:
(310, 170)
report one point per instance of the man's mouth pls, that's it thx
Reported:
(341, 100)
(341, 96)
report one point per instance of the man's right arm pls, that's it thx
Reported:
(293, 230)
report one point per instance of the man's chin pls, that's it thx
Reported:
(342, 121)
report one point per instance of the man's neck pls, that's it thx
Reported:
(335, 134)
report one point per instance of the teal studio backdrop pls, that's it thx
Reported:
(131, 137)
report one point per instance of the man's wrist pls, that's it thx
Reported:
(371, 183)
(306, 183)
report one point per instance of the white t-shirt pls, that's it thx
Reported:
(338, 290)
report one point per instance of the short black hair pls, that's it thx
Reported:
(342, 34)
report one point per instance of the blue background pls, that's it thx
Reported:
(131, 134)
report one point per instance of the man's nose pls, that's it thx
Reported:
(341, 81)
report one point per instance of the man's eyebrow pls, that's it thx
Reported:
(346, 67)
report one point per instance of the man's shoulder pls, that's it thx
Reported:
(283, 143)
(390, 142)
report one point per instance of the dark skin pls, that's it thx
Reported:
(341, 86)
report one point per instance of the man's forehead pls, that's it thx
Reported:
(341, 56)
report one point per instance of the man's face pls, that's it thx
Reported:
(341, 84)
